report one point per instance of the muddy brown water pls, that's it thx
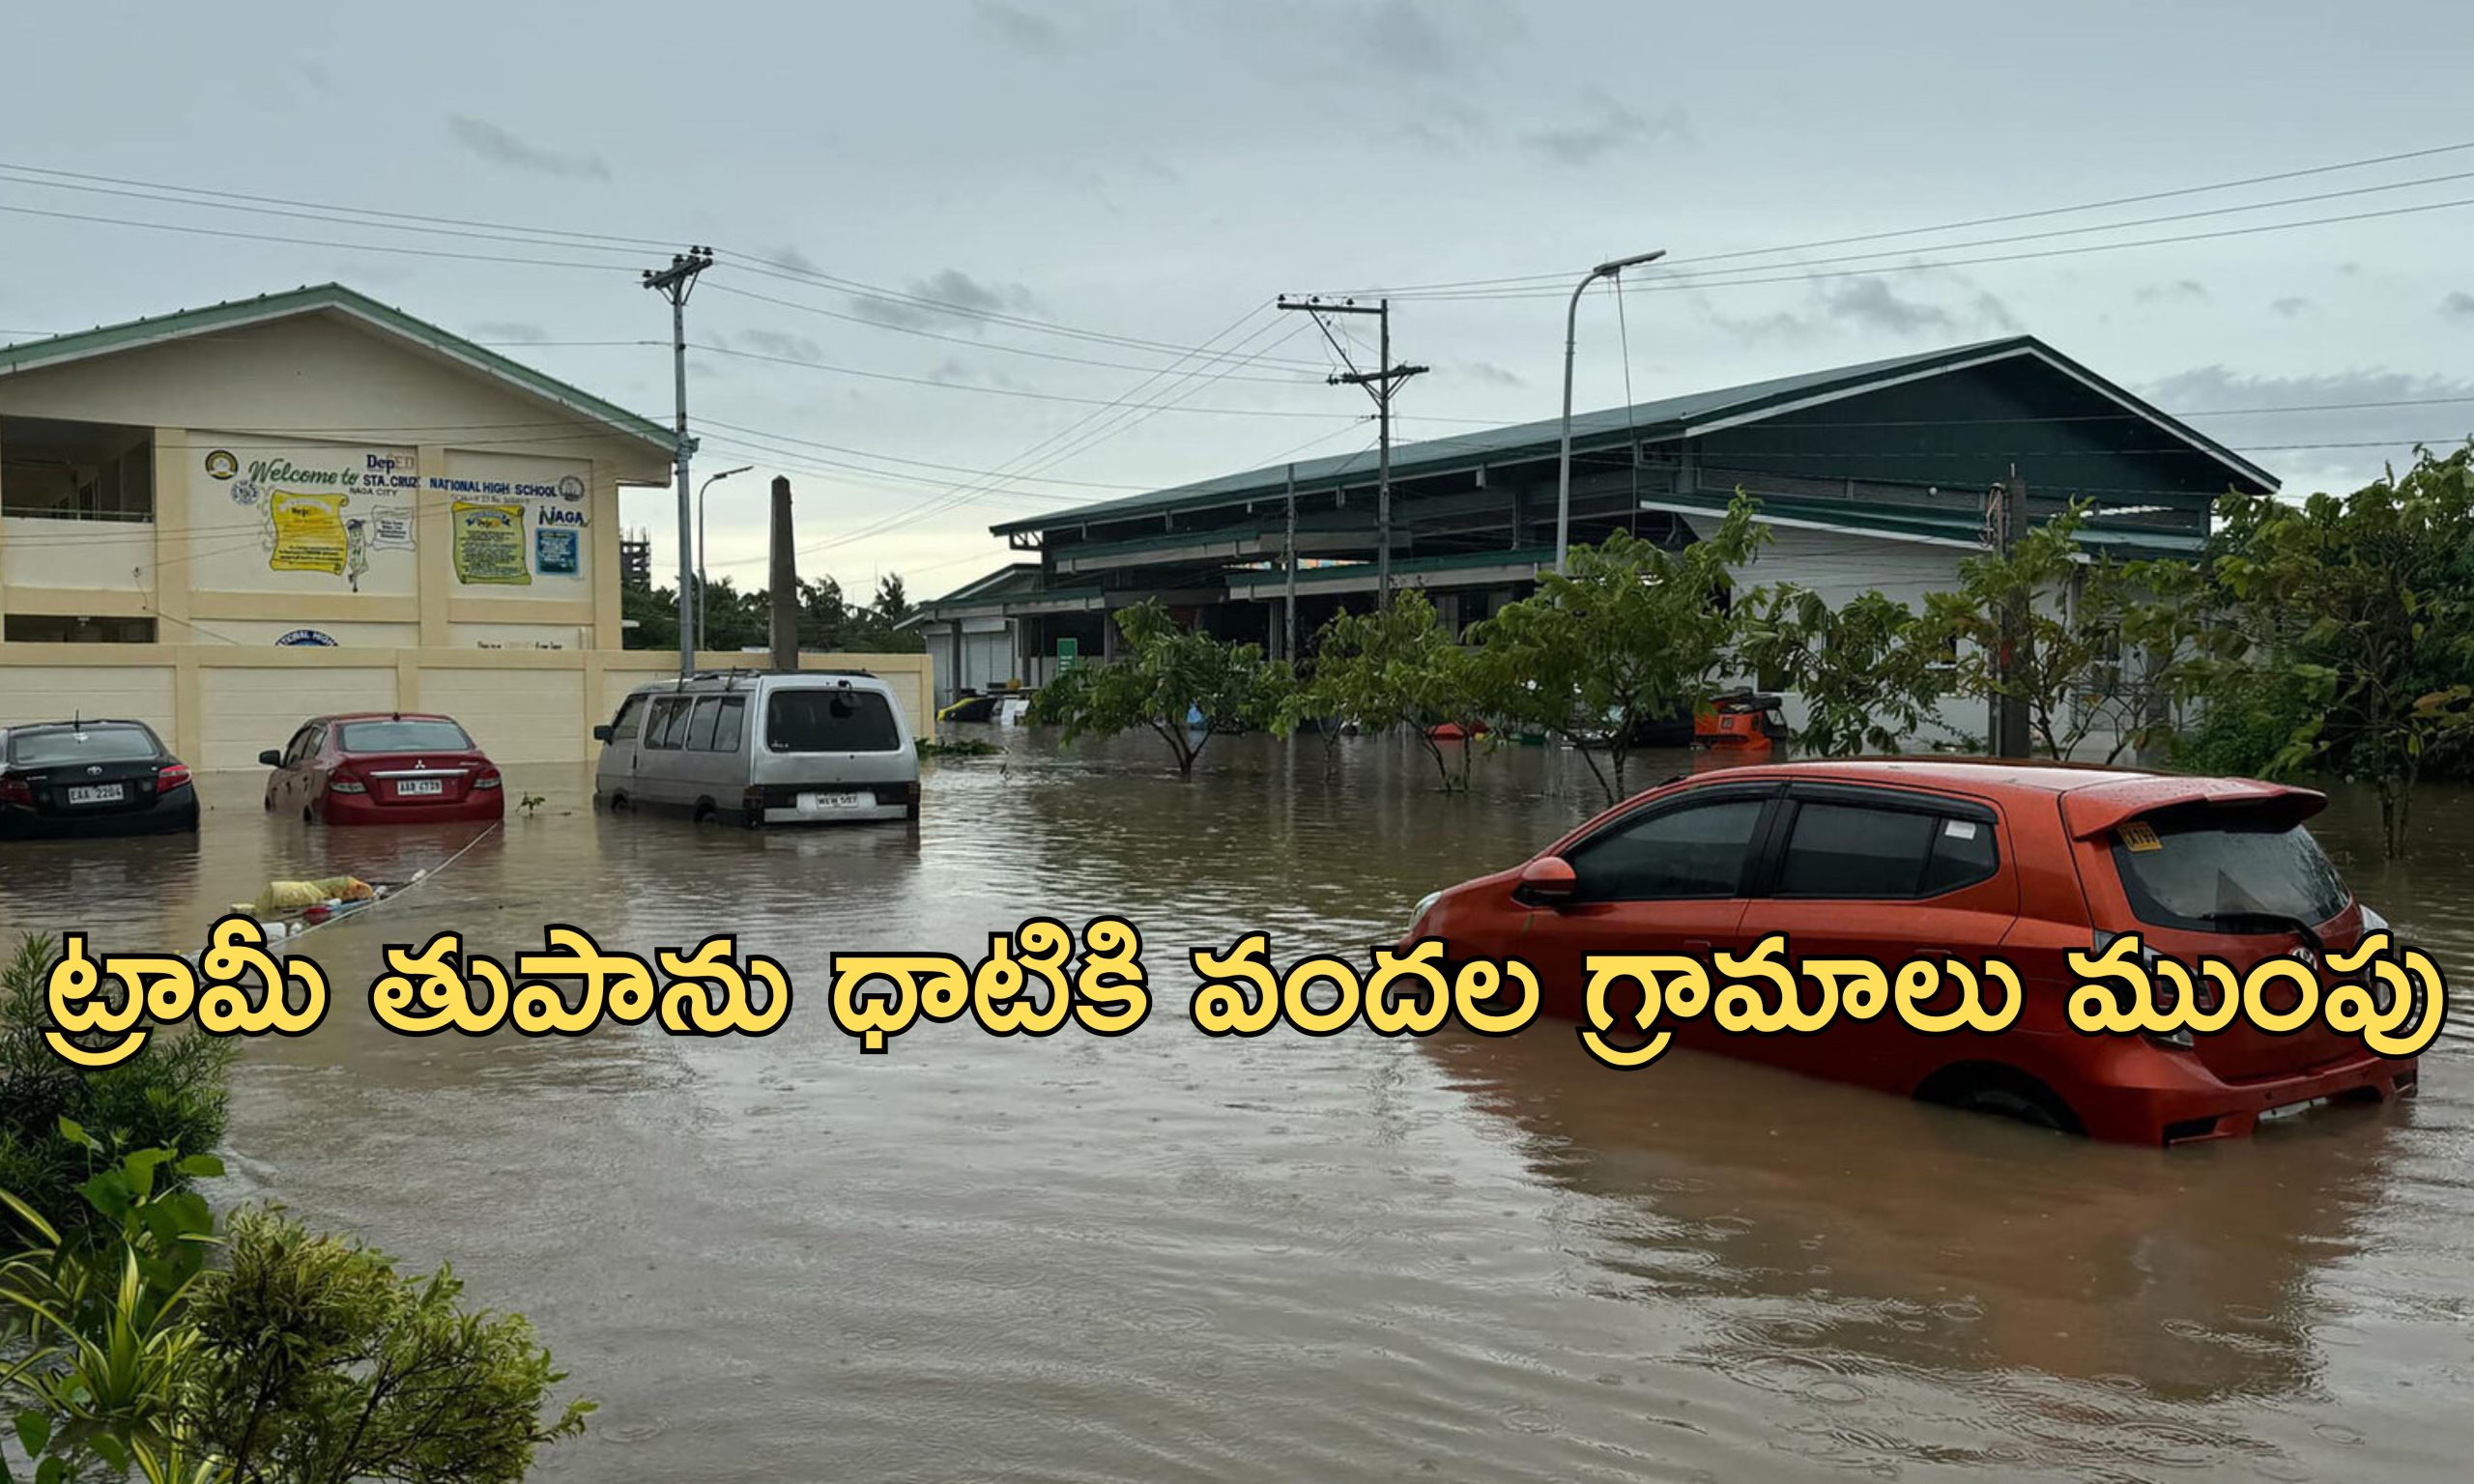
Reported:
(1164, 1257)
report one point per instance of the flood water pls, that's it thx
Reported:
(1163, 1257)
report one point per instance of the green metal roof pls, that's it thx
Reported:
(1918, 523)
(1665, 418)
(108, 339)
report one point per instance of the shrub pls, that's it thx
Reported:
(171, 1094)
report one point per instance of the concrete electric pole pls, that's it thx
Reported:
(2009, 718)
(1380, 384)
(675, 283)
(1564, 461)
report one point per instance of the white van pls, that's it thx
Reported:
(819, 746)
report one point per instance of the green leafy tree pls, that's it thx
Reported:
(1163, 678)
(2363, 607)
(2104, 644)
(1866, 681)
(1632, 633)
(1398, 667)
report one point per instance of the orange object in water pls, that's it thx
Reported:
(1452, 732)
(1740, 720)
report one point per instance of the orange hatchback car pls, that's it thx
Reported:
(1901, 859)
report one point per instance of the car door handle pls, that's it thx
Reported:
(1696, 945)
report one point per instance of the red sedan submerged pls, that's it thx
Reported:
(1902, 859)
(384, 767)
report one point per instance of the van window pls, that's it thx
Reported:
(1850, 850)
(631, 719)
(667, 721)
(1696, 851)
(2210, 870)
(834, 721)
(700, 730)
(731, 724)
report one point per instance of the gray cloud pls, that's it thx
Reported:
(1609, 127)
(2458, 305)
(960, 299)
(1490, 372)
(2272, 415)
(2291, 305)
(1875, 307)
(1021, 28)
(2181, 288)
(496, 145)
(795, 261)
(774, 342)
(1402, 36)
(522, 330)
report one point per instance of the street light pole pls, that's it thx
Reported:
(1571, 332)
(699, 540)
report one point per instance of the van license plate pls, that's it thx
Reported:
(420, 785)
(823, 803)
(100, 793)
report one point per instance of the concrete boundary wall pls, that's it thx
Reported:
(219, 705)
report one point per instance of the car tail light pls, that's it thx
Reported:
(345, 783)
(2203, 995)
(489, 780)
(17, 790)
(173, 776)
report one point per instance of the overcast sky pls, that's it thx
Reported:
(1157, 173)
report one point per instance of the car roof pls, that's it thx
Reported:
(81, 724)
(1974, 774)
(386, 716)
(742, 681)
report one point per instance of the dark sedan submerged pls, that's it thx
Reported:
(91, 777)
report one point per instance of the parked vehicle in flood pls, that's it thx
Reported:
(1900, 859)
(814, 747)
(91, 777)
(384, 767)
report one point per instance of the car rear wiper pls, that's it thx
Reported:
(2284, 919)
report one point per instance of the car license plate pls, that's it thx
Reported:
(404, 786)
(826, 803)
(99, 793)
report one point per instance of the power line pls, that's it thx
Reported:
(993, 391)
(309, 241)
(1565, 275)
(1688, 286)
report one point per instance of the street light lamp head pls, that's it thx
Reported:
(1620, 264)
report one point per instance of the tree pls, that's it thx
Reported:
(1186, 686)
(1633, 634)
(1866, 680)
(2104, 642)
(2365, 607)
(893, 605)
(1398, 667)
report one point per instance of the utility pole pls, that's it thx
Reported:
(1288, 563)
(785, 580)
(1380, 384)
(2009, 718)
(675, 283)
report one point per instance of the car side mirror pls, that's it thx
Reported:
(601, 732)
(271, 758)
(1548, 880)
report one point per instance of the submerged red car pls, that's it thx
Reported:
(1900, 859)
(384, 767)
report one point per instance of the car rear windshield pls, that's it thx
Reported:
(2218, 871)
(834, 721)
(405, 736)
(95, 744)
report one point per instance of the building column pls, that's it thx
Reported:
(3, 555)
(174, 564)
(434, 549)
(601, 565)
